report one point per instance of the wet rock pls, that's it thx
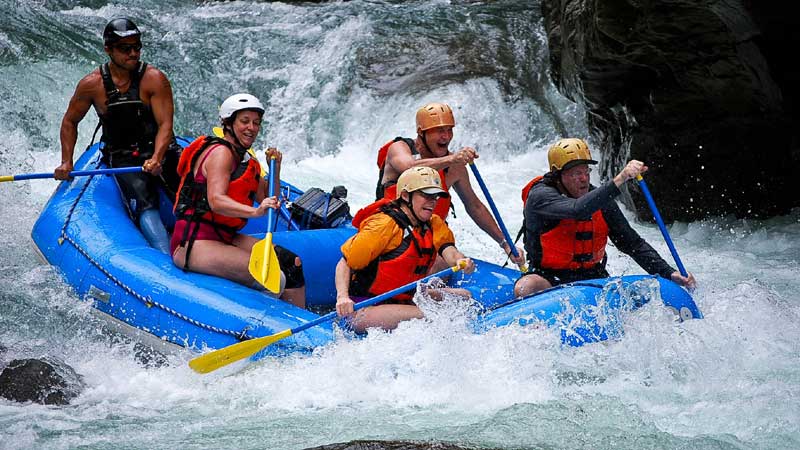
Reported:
(392, 445)
(40, 381)
(700, 91)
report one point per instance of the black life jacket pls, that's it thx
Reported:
(129, 127)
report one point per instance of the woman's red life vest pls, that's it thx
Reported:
(191, 202)
(407, 263)
(572, 244)
(389, 190)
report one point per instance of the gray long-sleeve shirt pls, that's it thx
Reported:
(546, 207)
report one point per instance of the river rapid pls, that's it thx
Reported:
(338, 80)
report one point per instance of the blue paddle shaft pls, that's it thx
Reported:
(494, 209)
(271, 190)
(78, 173)
(661, 226)
(373, 300)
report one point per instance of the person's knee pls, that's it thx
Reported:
(260, 287)
(153, 229)
(292, 267)
(530, 284)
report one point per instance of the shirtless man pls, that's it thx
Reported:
(134, 103)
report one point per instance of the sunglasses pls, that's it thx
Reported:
(126, 48)
(431, 196)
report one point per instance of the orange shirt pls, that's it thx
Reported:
(379, 234)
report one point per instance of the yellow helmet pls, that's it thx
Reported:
(434, 115)
(567, 153)
(422, 179)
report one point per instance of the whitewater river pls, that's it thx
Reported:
(339, 79)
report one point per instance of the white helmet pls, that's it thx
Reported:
(239, 102)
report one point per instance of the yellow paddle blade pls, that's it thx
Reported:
(264, 266)
(211, 361)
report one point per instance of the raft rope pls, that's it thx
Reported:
(148, 301)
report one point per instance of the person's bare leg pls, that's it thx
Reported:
(217, 258)
(530, 284)
(384, 316)
(438, 293)
(295, 296)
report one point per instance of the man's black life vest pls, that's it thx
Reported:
(129, 127)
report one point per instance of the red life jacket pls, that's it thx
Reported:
(572, 244)
(191, 201)
(389, 189)
(409, 262)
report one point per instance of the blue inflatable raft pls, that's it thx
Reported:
(85, 232)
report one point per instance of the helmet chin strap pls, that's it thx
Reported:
(425, 143)
(237, 142)
(411, 208)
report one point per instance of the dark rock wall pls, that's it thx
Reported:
(703, 92)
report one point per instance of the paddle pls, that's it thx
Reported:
(523, 267)
(264, 266)
(661, 226)
(74, 173)
(218, 358)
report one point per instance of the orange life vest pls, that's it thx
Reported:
(572, 244)
(388, 190)
(191, 201)
(407, 263)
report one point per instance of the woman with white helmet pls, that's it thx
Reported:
(219, 181)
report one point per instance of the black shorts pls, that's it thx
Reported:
(293, 273)
(140, 189)
(557, 277)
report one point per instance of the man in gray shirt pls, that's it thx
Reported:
(568, 223)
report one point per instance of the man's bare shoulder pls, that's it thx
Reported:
(153, 77)
(91, 79)
(91, 85)
(400, 146)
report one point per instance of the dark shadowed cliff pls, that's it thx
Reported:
(703, 91)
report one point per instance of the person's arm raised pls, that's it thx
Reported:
(400, 159)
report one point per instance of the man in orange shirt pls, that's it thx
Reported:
(396, 244)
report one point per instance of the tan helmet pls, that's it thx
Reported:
(422, 179)
(567, 153)
(434, 115)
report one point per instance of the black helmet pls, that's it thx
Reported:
(119, 28)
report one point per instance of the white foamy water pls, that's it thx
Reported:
(730, 380)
